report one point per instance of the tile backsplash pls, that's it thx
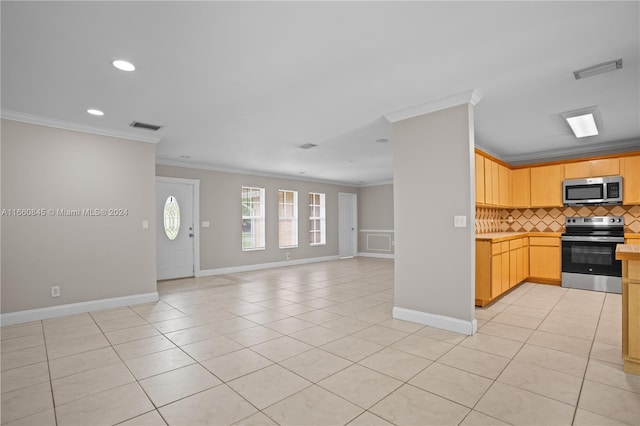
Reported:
(549, 219)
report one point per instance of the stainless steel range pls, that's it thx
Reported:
(589, 253)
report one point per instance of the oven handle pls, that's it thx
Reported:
(592, 239)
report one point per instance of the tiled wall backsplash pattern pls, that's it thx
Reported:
(549, 219)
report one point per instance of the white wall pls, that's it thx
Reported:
(434, 262)
(90, 258)
(376, 236)
(220, 205)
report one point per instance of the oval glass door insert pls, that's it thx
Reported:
(171, 216)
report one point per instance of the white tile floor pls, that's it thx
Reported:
(316, 345)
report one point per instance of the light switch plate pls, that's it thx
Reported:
(460, 221)
(145, 224)
(205, 224)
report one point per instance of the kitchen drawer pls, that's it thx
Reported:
(515, 244)
(497, 248)
(544, 241)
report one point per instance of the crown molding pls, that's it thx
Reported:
(68, 125)
(380, 183)
(470, 96)
(627, 145)
(200, 166)
(488, 151)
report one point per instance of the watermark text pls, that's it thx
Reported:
(58, 212)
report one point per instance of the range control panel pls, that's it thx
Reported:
(595, 221)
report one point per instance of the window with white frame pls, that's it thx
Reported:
(288, 216)
(317, 233)
(252, 218)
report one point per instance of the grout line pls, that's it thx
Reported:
(584, 375)
(233, 297)
(46, 354)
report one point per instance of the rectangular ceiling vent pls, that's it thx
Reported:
(147, 126)
(598, 69)
(307, 146)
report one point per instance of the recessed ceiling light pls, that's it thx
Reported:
(382, 140)
(123, 65)
(598, 69)
(94, 111)
(583, 122)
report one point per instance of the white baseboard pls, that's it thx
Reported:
(75, 308)
(258, 266)
(378, 255)
(438, 321)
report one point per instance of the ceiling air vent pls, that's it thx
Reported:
(598, 69)
(147, 126)
(307, 146)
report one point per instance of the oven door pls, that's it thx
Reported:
(591, 255)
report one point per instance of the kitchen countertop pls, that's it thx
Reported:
(506, 236)
(628, 252)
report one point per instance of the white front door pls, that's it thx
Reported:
(348, 224)
(175, 229)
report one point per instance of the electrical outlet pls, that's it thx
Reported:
(55, 291)
(288, 256)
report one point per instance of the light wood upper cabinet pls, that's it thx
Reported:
(488, 184)
(592, 168)
(495, 183)
(479, 179)
(504, 184)
(605, 167)
(541, 186)
(630, 179)
(520, 188)
(546, 186)
(491, 182)
(580, 169)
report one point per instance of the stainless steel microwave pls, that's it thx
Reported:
(592, 191)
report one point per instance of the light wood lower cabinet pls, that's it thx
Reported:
(525, 259)
(630, 258)
(545, 259)
(500, 266)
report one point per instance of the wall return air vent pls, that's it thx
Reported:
(141, 125)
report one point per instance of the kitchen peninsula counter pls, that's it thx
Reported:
(629, 254)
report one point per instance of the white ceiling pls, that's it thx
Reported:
(239, 85)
